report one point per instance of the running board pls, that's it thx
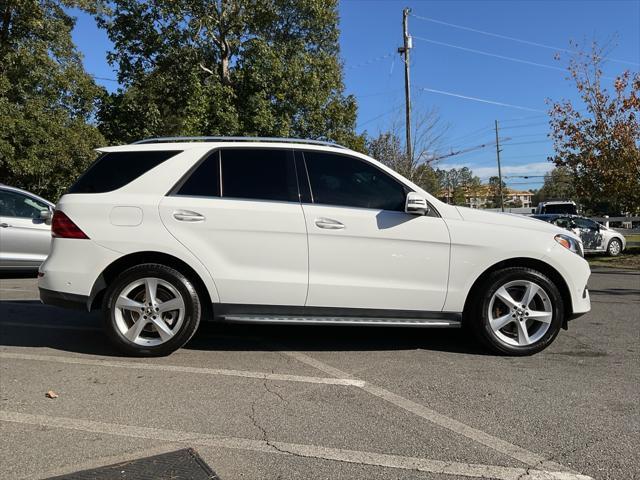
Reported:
(366, 321)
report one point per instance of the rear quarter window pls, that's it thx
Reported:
(114, 170)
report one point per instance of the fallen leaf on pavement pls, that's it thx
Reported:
(51, 394)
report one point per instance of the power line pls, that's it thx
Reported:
(503, 57)
(461, 152)
(375, 94)
(519, 119)
(513, 39)
(482, 100)
(536, 155)
(371, 61)
(526, 125)
(528, 143)
(394, 109)
(529, 135)
(535, 182)
(523, 176)
(475, 133)
(489, 54)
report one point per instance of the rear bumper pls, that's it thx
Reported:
(73, 267)
(63, 299)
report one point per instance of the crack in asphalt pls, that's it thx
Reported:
(555, 458)
(263, 430)
(265, 437)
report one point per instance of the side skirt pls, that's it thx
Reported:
(281, 314)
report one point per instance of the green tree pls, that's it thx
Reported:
(494, 192)
(558, 185)
(459, 183)
(227, 67)
(598, 141)
(47, 100)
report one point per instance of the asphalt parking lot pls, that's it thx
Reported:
(260, 402)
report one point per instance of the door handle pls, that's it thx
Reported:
(329, 224)
(4, 225)
(188, 216)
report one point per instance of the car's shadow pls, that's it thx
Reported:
(28, 323)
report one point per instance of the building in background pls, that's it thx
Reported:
(484, 196)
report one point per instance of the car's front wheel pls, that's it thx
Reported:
(614, 248)
(151, 310)
(518, 312)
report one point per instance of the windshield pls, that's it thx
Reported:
(560, 208)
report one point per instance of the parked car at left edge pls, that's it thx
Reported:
(595, 237)
(25, 229)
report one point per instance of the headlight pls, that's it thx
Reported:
(570, 243)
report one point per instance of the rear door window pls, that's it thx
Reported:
(259, 174)
(114, 170)
(204, 180)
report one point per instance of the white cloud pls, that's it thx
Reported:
(535, 168)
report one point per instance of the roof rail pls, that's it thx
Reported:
(236, 139)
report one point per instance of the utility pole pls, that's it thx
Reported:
(499, 169)
(404, 50)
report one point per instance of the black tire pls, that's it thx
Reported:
(614, 252)
(181, 284)
(477, 313)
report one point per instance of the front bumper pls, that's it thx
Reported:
(64, 299)
(575, 271)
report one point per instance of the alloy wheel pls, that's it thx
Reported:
(149, 311)
(614, 248)
(520, 313)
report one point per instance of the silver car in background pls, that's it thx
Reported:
(596, 238)
(25, 230)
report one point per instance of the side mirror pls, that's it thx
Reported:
(416, 204)
(46, 215)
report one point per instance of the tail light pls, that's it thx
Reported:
(63, 227)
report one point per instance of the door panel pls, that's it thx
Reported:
(24, 242)
(255, 251)
(254, 247)
(377, 259)
(24, 237)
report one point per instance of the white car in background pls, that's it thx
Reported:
(165, 232)
(25, 229)
(596, 238)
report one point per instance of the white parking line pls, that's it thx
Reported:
(497, 444)
(283, 448)
(182, 369)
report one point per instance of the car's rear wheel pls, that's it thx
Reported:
(614, 248)
(151, 310)
(518, 312)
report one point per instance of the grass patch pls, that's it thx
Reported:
(629, 259)
(635, 238)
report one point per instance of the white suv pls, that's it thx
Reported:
(166, 232)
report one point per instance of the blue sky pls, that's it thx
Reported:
(371, 31)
